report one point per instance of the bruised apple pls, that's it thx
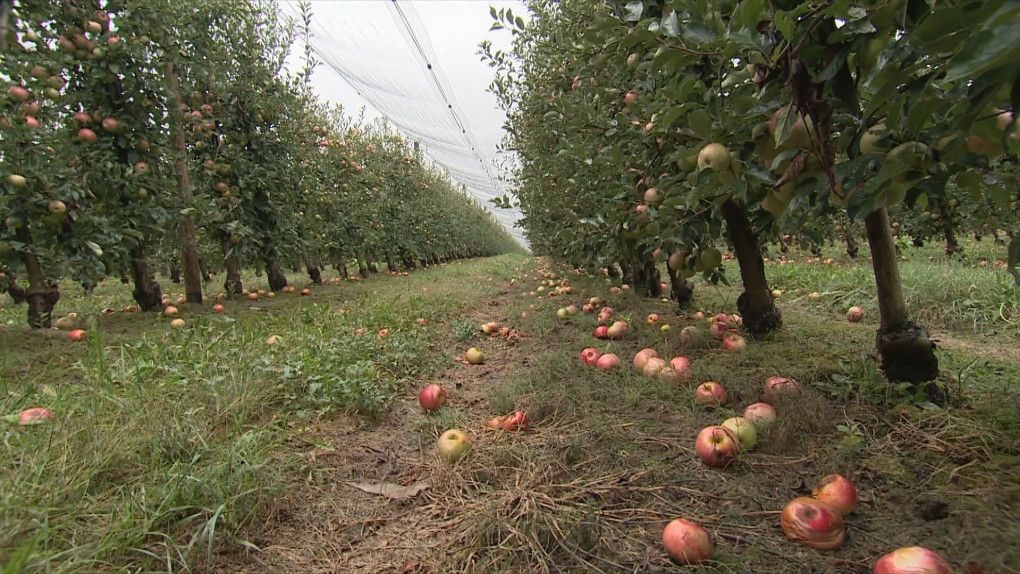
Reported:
(813, 522)
(653, 366)
(838, 492)
(912, 560)
(642, 356)
(687, 543)
(34, 416)
(760, 414)
(590, 356)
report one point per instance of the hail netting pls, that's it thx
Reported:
(383, 51)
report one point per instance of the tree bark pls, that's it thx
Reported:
(682, 290)
(277, 279)
(314, 273)
(17, 292)
(391, 264)
(232, 284)
(851, 244)
(952, 246)
(189, 245)
(206, 277)
(175, 274)
(907, 353)
(41, 296)
(147, 293)
(755, 304)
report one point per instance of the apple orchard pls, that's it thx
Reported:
(653, 131)
(138, 137)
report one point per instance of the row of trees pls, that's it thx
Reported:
(137, 133)
(650, 130)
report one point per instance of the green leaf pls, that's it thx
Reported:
(634, 10)
(784, 124)
(670, 25)
(989, 46)
(700, 123)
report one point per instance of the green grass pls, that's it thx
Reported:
(166, 444)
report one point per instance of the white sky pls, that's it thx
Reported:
(381, 47)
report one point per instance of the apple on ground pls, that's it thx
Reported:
(253, 296)
(359, 331)
(687, 543)
(602, 332)
(671, 376)
(734, 343)
(562, 313)
(475, 356)
(272, 339)
(432, 397)
(745, 431)
(838, 492)
(617, 330)
(590, 356)
(855, 314)
(34, 415)
(653, 318)
(177, 323)
(814, 523)
(607, 361)
(421, 321)
(642, 356)
(218, 308)
(710, 393)
(777, 387)
(761, 415)
(306, 292)
(489, 328)
(717, 446)
(652, 367)
(516, 421)
(383, 333)
(689, 335)
(912, 560)
(77, 335)
(170, 310)
(453, 445)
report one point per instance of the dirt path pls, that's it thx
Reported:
(327, 525)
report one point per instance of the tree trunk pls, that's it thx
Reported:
(277, 279)
(314, 273)
(147, 292)
(88, 287)
(755, 304)
(16, 291)
(908, 354)
(175, 274)
(851, 244)
(682, 290)
(653, 280)
(952, 246)
(232, 284)
(189, 249)
(206, 277)
(42, 297)
(391, 264)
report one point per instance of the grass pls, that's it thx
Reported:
(207, 449)
(165, 444)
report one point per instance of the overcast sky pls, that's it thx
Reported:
(383, 48)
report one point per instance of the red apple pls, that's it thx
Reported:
(760, 414)
(306, 292)
(642, 356)
(383, 333)
(710, 393)
(734, 343)
(110, 124)
(777, 387)
(671, 376)
(813, 522)
(421, 321)
(587, 308)
(17, 94)
(218, 308)
(682, 364)
(170, 310)
(912, 560)
(718, 329)
(698, 315)
(717, 446)
(359, 331)
(253, 296)
(838, 492)
(617, 330)
(855, 314)
(653, 318)
(608, 361)
(687, 543)
(590, 356)
(516, 421)
(432, 397)
(34, 416)
(77, 335)
(602, 332)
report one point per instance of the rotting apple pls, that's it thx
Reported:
(652, 367)
(855, 314)
(642, 356)
(34, 416)
(777, 387)
(912, 560)
(590, 356)
(813, 522)
(717, 446)
(760, 414)
(734, 342)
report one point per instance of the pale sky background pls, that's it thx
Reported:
(381, 48)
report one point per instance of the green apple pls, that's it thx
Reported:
(453, 445)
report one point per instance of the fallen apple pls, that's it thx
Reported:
(516, 421)
(778, 387)
(734, 343)
(34, 416)
(653, 318)
(717, 446)
(475, 356)
(652, 367)
(170, 310)
(218, 308)
(813, 522)
(590, 356)
(432, 397)
(671, 376)
(687, 543)
(761, 415)
(177, 323)
(642, 356)
(453, 445)
(602, 332)
(710, 393)
(855, 314)
(912, 560)
(272, 339)
(838, 492)
(608, 361)
(745, 431)
(77, 335)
